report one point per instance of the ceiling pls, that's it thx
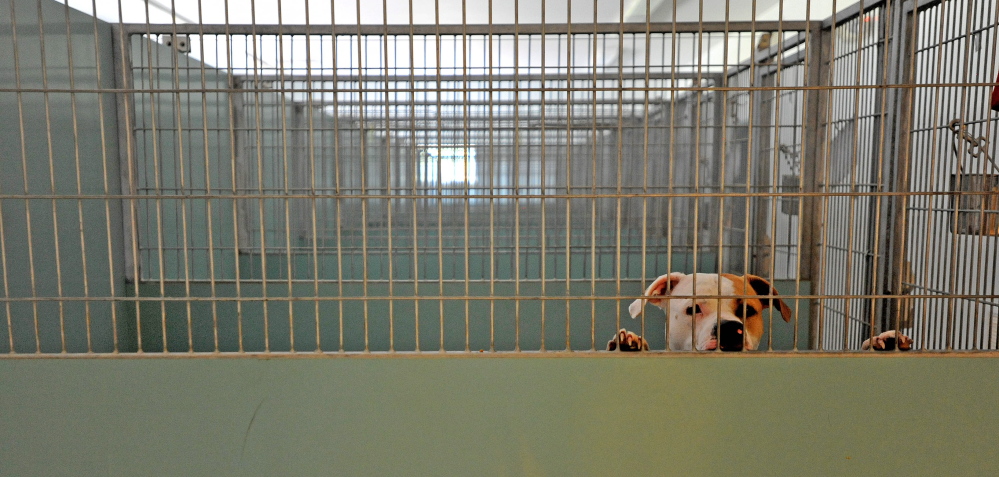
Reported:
(451, 12)
(710, 56)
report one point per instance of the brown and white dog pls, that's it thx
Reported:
(701, 317)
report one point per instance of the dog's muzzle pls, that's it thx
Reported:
(729, 335)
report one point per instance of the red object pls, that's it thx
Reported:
(995, 95)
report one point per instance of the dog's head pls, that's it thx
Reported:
(731, 324)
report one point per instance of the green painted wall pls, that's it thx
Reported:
(494, 416)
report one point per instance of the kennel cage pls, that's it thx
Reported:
(336, 186)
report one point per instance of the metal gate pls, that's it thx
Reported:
(336, 186)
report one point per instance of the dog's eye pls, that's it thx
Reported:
(743, 311)
(693, 310)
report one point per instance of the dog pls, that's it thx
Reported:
(708, 323)
(716, 322)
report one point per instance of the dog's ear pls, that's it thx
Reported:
(765, 289)
(662, 286)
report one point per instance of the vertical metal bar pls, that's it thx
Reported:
(854, 170)
(692, 107)
(772, 176)
(310, 109)
(439, 173)
(52, 186)
(988, 342)
(698, 49)
(947, 273)
(905, 137)
(235, 109)
(922, 334)
(569, 51)
(670, 154)
(809, 104)
(766, 121)
(942, 329)
(181, 175)
(932, 327)
(824, 202)
(721, 138)
(388, 178)
(815, 137)
(79, 187)
(619, 181)
(922, 22)
(933, 166)
(943, 273)
(877, 181)
(516, 173)
(959, 284)
(127, 166)
(6, 281)
(361, 65)
(284, 84)
(466, 113)
(338, 189)
(3, 240)
(900, 101)
(414, 152)
(593, 185)
(259, 148)
(951, 270)
(754, 107)
(544, 185)
(977, 319)
(492, 174)
(27, 190)
(792, 97)
(157, 183)
(208, 181)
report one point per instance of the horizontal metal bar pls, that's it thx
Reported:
(921, 4)
(523, 354)
(456, 126)
(796, 59)
(784, 45)
(763, 59)
(490, 196)
(855, 87)
(370, 297)
(484, 78)
(470, 29)
(853, 11)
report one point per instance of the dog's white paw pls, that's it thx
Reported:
(888, 341)
(625, 340)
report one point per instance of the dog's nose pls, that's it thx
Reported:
(729, 334)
